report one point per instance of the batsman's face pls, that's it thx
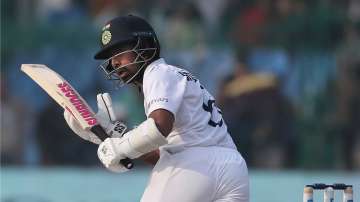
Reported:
(126, 70)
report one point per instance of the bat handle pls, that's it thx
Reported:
(127, 163)
(102, 135)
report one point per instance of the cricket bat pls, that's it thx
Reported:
(67, 97)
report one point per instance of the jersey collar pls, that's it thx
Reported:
(154, 64)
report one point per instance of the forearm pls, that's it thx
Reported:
(151, 157)
(142, 142)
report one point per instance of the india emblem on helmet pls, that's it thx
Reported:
(106, 37)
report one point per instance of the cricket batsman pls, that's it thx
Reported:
(184, 135)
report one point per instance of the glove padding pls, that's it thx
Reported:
(110, 156)
(105, 116)
(135, 143)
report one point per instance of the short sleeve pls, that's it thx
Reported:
(163, 89)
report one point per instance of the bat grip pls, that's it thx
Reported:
(102, 135)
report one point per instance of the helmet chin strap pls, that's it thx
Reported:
(144, 60)
(142, 67)
(137, 73)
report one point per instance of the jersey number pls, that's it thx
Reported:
(209, 102)
(210, 107)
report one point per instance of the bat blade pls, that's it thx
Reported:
(62, 92)
(66, 96)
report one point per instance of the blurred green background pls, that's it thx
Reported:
(284, 72)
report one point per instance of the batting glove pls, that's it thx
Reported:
(110, 154)
(105, 116)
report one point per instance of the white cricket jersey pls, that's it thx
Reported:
(198, 122)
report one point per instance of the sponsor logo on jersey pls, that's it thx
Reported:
(85, 112)
(156, 100)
